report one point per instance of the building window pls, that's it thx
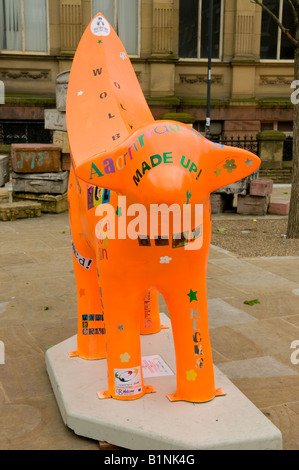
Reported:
(274, 44)
(194, 29)
(123, 15)
(24, 25)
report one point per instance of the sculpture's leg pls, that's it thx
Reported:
(122, 319)
(150, 318)
(90, 333)
(91, 342)
(187, 303)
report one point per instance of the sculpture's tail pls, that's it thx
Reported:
(105, 103)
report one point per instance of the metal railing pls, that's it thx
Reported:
(247, 143)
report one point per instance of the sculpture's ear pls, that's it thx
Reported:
(111, 169)
(105, 103)
(229, 164)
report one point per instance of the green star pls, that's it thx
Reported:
(192, 295)
(218, 171)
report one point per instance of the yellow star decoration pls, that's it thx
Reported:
(125, 357)
(191, 374)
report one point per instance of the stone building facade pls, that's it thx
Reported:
(252, 66)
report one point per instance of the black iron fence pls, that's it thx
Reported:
(24, 132)
(252, 144)
(247, 143)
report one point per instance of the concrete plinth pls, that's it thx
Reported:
(153, 422)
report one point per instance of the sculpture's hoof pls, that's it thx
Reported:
(73, 353)
(107, 394)
(219, 392)
(103, 395)
(76, 354)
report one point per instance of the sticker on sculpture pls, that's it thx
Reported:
(100, 26)
(128, 381)
(84, 262)
(97, 196)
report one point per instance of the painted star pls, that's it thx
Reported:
(218, 171)
(80, 93)
(248, 162)
(82, 292)
(192, 295)
(123, 55)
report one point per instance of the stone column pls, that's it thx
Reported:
(162, 27)
(271, 149)
(70, 24)
(162, 61)
(246, 50)
(244, 28)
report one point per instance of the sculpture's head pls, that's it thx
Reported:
(116, 143)
(168, 162)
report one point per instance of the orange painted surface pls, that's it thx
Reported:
(121, 156)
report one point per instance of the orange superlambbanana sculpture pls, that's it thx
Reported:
(124, 162)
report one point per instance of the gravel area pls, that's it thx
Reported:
(253, 237)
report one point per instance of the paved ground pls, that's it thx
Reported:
(251, 343)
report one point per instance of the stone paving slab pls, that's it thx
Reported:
(265, 366)
(222, 313)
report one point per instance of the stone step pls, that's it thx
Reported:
(65, 161)
(253, 205)
(4, 195)
(279, 176)
(35, 158)
(55, 120)
(60, 138)
(49, 202)
(279, 207)
(40, 183)
(19, 210)
(4, 169)
(261, 187)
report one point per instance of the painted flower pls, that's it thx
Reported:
(125, 357)
(230, 165)
(191, 374)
